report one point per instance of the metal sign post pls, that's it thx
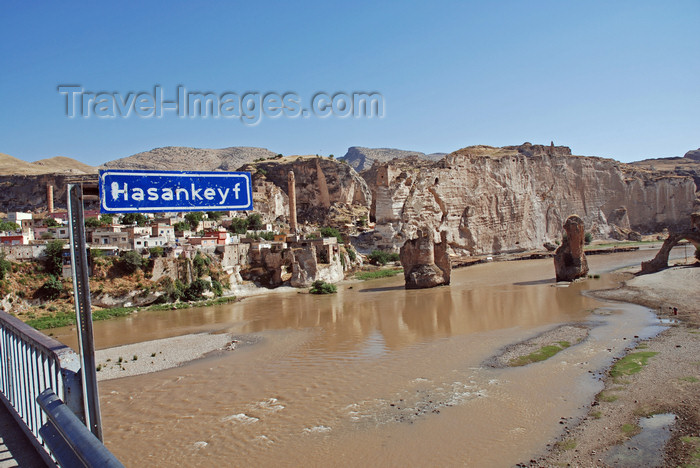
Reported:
(83, 309)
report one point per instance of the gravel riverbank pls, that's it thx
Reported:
(669, 383)
(157, 355)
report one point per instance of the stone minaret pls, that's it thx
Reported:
(291, 189)
(49, 197)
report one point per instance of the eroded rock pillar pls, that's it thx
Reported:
(425, 263)
(569, 259)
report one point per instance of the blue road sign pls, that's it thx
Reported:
(123, 191)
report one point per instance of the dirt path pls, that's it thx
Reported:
(669, 383)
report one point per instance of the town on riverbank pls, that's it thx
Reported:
(311, 233)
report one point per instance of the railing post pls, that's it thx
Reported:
(31, 362)
(81, 293)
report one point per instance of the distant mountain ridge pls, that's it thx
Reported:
(361, 158)
(57, 165)
(184, 158)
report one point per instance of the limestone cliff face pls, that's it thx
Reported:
(28, 192)
(270, 201)
(321, 183)
(495, 200)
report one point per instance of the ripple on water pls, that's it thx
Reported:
(317, 429)
(271, 404)
(413, 403)
(241, 418)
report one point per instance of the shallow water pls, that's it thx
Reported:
(375, 375)
(647, 447)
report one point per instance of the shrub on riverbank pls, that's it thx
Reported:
(369, 275)
(321, 287)
(380, 257)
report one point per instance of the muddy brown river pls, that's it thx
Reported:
(372, 376)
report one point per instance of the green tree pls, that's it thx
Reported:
(172, 290)
(379, 257)
(193, 218)
(157, 251)
(50, 222)
(52, 288)
(96, 253)
(195, 290)
(588, 238)
(8, 226)
(182, 226)
(238, 226)
(332, 232)
(54, 257)
(255, 222)
(5, 266)
(200, 263)
(217, 288)
(214, 215)
(106, 219)
(131, 261)
(92, 223)
(131, 218)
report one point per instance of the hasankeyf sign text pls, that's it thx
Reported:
(123, 191)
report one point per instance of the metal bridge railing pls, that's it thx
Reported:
(31, 362)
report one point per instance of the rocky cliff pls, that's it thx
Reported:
(28, 192)
(496, 200)
(686, 166)
(323, 186)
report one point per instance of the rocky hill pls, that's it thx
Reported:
(693, 154)
(183, 158)
(494, 200)
(57, 165)
(687, 166)
(361, 158)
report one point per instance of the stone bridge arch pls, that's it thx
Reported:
(661, 260)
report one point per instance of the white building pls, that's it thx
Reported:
(18, 216)
(146, 242)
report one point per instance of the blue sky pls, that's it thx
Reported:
(615, 79)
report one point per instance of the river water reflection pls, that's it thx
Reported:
(375, 375)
